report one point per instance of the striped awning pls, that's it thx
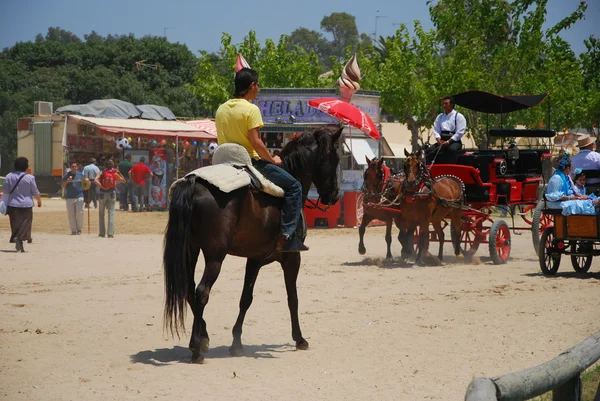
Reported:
(207, 126)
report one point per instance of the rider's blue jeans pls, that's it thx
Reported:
(292, 202)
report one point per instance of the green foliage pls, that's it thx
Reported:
(342, 26)
(279, 66)
(409, 77)
(63, 69)
(501, 47)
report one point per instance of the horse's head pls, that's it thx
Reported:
(373, 179)
(313, 158)
(413, 168)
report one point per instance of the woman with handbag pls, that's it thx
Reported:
(17, 193)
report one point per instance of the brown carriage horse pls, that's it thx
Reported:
(378, 186)
(241, 223)
(420, 208)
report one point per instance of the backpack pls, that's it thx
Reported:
(109, 178)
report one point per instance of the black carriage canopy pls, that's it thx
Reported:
(486, 102)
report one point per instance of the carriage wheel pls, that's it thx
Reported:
(539, 223)
(469, 239)
(549, 259)
(581, 264)
(499, 242)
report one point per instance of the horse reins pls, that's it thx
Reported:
(315, 205)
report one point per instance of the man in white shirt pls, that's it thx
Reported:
(448, 129)
(587, 159)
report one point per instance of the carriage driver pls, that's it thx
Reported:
(448, 129)
(239, 121)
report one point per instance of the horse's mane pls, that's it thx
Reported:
(295, 155)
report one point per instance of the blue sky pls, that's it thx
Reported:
(199, 23)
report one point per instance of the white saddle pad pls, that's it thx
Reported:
(229, 171)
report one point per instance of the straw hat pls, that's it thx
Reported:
(86, 183)
(585, 140)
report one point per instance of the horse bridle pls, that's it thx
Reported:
(420, 176)
(315, 205)
(380, 176)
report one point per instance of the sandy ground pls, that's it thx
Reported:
(81, 318)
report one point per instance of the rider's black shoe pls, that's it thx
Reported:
(287, 244)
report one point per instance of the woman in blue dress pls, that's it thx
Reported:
(561, 193)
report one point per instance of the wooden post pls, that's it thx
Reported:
(597, 397)
(570, 391)
(481, 389)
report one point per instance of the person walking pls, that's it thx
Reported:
(71, 183)
(90, 172)
(106, 180)
(138, 174)
(18, 192)
(125, 189)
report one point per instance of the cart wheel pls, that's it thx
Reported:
(549, 259)
(581, 264)
(539, 223)
(469, 240)
(499, 242)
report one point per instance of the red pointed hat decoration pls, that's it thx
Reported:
(241, 63)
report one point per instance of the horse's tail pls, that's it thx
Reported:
(175, 256)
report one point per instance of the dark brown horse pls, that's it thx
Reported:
(241, 223)
(378, 187)
(421, 206)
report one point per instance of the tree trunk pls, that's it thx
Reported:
(414, 130)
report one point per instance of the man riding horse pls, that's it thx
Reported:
(239, 121)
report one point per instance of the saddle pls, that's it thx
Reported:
(232, 169)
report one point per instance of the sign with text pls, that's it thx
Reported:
(276, 108)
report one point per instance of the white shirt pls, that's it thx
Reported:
(445, 122)
(586, 160)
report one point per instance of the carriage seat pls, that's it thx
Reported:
(478, 161)
(232, 169)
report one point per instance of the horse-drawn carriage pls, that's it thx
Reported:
(511, 178)
(577, 236)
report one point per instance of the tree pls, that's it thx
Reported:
(409, 78)
(56, 34)
(591, 82)
(501, 47)
(342, 26)
(310, 41)
(62, 69)
(279, 66)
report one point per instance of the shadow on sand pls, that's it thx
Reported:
(165, 356)
(567, 274)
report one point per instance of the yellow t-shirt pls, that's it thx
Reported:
(234, 119)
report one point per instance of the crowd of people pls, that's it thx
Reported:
(568, 188)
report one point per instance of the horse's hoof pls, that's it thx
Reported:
(197, 357)
(362, 251)
(236, 350)
(204, 342)
(302, 345)
(389, 257)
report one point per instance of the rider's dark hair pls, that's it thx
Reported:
(451, 99)
(243, 79)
